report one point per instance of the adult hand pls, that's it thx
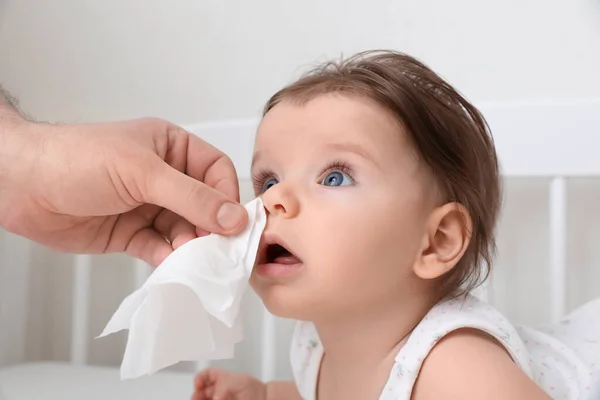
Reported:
(143, 187)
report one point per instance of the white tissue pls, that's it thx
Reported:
(188, 309)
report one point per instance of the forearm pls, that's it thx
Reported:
(11, 118)
(14, 140)
(7, 98)
(278, 390)
(9, 109)
(11, 115)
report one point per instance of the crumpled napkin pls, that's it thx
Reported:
(188, 309)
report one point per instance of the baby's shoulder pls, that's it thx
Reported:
(459, 331)
(469, 314)
(465, 348)
(468, 363)
(468, 342)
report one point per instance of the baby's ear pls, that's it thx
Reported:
(446, 239)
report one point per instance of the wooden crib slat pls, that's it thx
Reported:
(558, 247)
(80, 309)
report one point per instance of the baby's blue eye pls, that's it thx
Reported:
(268, 184)
(336, 178)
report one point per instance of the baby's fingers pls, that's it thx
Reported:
(203, 380)
(209, 393)
(200, 395)
(205, 393)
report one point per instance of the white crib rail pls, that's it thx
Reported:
(558, 247)
(80, 315)
(269, 335)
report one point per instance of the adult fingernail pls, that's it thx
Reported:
(230, 216)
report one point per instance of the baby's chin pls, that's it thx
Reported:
(285, 302)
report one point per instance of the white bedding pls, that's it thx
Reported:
(51, 381)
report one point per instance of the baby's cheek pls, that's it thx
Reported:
(392, 238)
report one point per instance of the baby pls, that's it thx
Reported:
(382, 191)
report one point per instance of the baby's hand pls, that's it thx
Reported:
(215, 384)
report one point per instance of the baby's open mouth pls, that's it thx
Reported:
(277, 254)
(276, 258)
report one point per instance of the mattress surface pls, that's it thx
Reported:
(52, 381)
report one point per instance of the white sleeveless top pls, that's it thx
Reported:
(547, 361)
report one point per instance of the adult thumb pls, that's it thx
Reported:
(200, 204)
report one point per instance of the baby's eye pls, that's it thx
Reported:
(269, 184)
(336, 178)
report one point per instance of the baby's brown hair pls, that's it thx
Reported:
(449, 135)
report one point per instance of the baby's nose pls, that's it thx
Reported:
(281, 200)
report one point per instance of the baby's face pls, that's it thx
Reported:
(347, 207)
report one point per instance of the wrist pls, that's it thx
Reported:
(13, 122)
(15, 139)
(9, 110)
